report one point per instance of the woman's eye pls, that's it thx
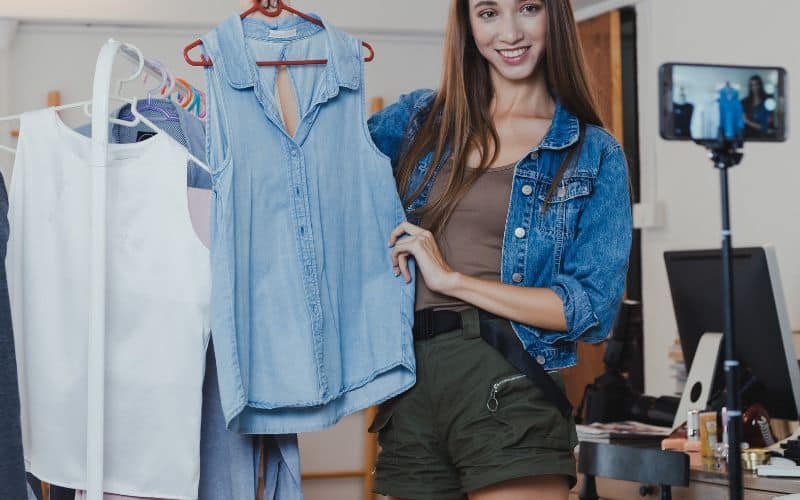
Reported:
(531, 8)
(487, 14)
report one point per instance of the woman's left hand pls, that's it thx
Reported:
(420, 244)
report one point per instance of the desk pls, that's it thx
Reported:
(706, 484)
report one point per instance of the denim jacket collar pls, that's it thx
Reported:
(564, 129)
(239, 69)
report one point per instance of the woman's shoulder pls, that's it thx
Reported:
(417, 100)
(600, 137)
(599, 143)
(405, 108)
(389, 128)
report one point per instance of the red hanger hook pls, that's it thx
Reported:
(259, 4)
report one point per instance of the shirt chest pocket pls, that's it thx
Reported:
(558, 219)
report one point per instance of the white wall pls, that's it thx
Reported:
(380, 15)
(764, 203)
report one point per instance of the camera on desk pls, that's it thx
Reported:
(616, 396)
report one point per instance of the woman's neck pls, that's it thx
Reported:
(528, 97)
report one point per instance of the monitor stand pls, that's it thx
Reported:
(701, 377)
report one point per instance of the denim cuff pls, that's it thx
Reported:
(577, 308)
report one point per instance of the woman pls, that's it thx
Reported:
(758, 120)
(519, 217)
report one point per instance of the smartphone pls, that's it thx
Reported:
(710, 102)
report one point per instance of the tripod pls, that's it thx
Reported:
(725, 154)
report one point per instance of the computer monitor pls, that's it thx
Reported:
(763, 336)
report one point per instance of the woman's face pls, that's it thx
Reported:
(755, 86)
(510, 34)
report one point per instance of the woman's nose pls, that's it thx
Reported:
(511, 32)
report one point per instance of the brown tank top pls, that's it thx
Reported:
(472, 240)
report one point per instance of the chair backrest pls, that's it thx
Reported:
(629, 463)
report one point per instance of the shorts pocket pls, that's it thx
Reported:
(526, 418)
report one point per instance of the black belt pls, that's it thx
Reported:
(499, 334)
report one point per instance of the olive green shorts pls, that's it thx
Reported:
(471, 421)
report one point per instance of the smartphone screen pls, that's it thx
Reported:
(707, 103)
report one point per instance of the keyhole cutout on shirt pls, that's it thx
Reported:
(287, 101)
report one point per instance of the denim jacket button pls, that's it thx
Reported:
(540, 359)
(562, 192)
(519, 232)
(534, 155)
(516, 278)
(527, 190)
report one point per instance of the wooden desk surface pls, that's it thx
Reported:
(750, 480)
(706, 484)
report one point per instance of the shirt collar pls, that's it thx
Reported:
(564, 129)
(234, 61)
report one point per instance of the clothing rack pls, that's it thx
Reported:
(149, 66)
(99, 109)
(97, 332)
(101, 95)
(158, 70)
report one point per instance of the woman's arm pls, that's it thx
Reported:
(540, 307)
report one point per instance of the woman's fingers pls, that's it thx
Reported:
(396, 251)
(403, 260)
(400, 255)
(403, 228)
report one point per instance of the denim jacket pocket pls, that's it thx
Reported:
(560, 217)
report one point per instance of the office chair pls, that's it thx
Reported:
(627, 463)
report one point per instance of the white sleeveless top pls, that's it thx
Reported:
(158, 288)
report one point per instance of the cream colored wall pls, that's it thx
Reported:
(377, 15)
(678, 175)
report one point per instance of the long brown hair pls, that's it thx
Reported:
(458, 121)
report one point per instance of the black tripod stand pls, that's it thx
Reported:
(726, 154)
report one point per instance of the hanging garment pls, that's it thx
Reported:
(310, 324)
(157, 327)
(181, 125)
(731, 113)
(229, 462)
(12, 468)
(81, 495)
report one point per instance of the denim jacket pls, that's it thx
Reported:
(578, 247)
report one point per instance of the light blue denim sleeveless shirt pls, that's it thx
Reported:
(309, 322)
